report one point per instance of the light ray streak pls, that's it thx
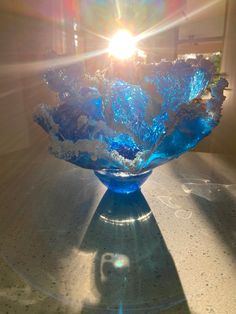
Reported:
(164, 26)
(30, 67)
(118, 9)
(150, 49)
(169, 18)
(95, 34)
(18, 89)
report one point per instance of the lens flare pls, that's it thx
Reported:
(122, 45)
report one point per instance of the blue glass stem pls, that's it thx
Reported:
(122, 182)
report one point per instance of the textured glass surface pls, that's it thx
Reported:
(107, 123)
(121, 182)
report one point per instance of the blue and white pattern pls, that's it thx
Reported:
(105, 123)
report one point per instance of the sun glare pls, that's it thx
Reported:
(122, 45)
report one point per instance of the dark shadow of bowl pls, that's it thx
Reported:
(135, 272)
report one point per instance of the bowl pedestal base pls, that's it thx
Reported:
(122, 182)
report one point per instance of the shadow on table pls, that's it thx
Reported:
(50, 226)
(134, 271)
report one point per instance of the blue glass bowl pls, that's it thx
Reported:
(124, 127)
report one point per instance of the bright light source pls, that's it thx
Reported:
(122, 45)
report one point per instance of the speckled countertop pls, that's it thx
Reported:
(67, 246)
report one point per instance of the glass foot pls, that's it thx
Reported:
(122, 182)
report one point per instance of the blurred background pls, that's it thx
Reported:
(31, 29)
